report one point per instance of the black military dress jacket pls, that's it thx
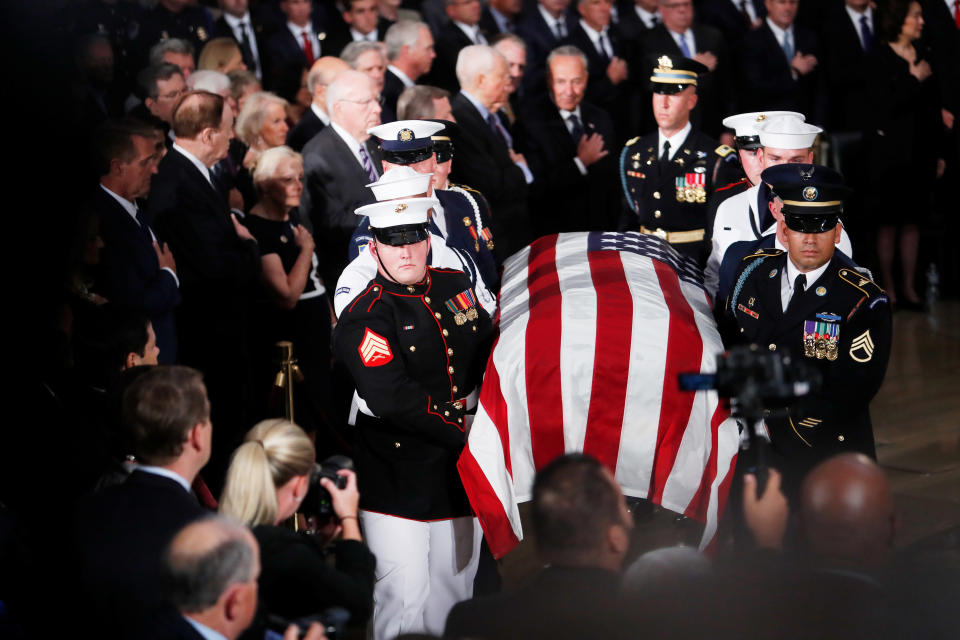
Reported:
(415, 352)
(842, 325)
(671, 196)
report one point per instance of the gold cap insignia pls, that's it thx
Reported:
(810, 194)
(201, 33)
(761, 118)
(405, 135)
(665, 62)
(400, 208)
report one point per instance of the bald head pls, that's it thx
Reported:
(846, 511)
(322, 73)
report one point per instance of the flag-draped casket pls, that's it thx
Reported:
(593, 330)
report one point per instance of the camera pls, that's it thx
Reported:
(756, 380)
(318, 502)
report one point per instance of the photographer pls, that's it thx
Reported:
(268, 478)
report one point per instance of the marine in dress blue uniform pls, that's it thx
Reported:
(416, 345)
(666, 190)
(810, 303)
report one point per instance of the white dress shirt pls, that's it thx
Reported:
(646, 17)
(195, 161)
(404, 78)
(566, 115)
(351, 143)
(552, 22)
(356, 36)
(855, 17)
(595, 38)
(472, 32)
(297, 32)
(676, 141)
(687, 38)
(166, 473)
(320, 113)
(790, 275)
(234, 23)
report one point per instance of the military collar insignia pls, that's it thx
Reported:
(821, 291)
(772, 274)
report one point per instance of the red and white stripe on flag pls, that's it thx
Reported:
(593, 330)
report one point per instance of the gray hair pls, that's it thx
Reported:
(269, 160)
(403, 33)
(506, 36)
(209, 80)
(170, 45)
(416, 102)
(475, 60)
(352, 52)
(239, 79)
(204, 560)
(321, 76)
(341, 86)
(568, 51)
(250, 120)
(147, 78)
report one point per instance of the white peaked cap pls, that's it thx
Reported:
(400, 182)
(394, 213)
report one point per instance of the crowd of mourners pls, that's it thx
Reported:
(204, 489)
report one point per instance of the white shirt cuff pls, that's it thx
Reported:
(581, 166)
(527, 175)
(176, 280)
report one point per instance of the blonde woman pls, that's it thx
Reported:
(221, 54)
(268, 478)
(262, 124)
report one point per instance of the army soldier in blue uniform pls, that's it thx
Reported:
(810, 302)
(416, 342)
(668, 176)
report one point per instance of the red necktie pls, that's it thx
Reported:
(956, 12)
(308, 48)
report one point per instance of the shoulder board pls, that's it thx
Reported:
(366, 300)
(765, 253)
(723, 150)
(860, 281)
(731, 185)
(632, 141)
(465, 187)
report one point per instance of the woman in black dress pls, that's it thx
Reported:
(903, 142)
(292, 303)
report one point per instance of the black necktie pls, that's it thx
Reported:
(798, 285)
(144, 227)
(602, 45)
(576, 129)
(494, 123)
(245, 51)
(665, 157)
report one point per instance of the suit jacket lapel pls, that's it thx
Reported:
(201, 184)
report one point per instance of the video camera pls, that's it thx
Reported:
(317, 502)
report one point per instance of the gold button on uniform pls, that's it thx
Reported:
(656, 194)
(474, 327)
(450, 369)
(840, 438)
(449, 351)
(411, 289)
(445, 332)
(446, 413)
(772, 347)
(396, 445)
(437, 314)
(454, 388)
(412, 348)
(426, 299)
(376, 288)
(657, 214)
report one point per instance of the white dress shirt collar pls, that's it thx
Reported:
(195, 161)
(128, 206)
(550, 20)
(687, 37)
(778, 33)
(855, 19)
(356, 36)
(324, 118)
(404, 78)
(204, 630)
(350, 141)
(791, 273)
(676, 140)
(484, 112)
(234, 23)
(471, 32)
(592, 34)
(566, 114)
(166, 473)
(646, 17)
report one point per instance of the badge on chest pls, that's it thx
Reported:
(821, 336)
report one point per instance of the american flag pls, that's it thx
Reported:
(593, 330)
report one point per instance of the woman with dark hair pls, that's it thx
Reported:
(903, 143)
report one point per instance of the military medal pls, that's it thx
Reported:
(821, 337)
(463, 307)
(681, 189)
(488, 237)
(473, 233)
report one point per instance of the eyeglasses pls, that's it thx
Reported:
(364, 103)
(173, 95)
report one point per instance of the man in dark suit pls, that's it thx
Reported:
(500, 16)
(779, 65)
(135, 271)
(637, 17)
(217, 259)
(361, 24)
(678, 35)
(487, 159)
(162, 86)
(543, 29)
(850, 36)
(316, 118)
(461, 31)
(410, 55)
(121, 533)
(582, 530)
(568, 143)
(338, 163)
(609, 86)
(295, 45)
(238, 23)
(734, 18)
